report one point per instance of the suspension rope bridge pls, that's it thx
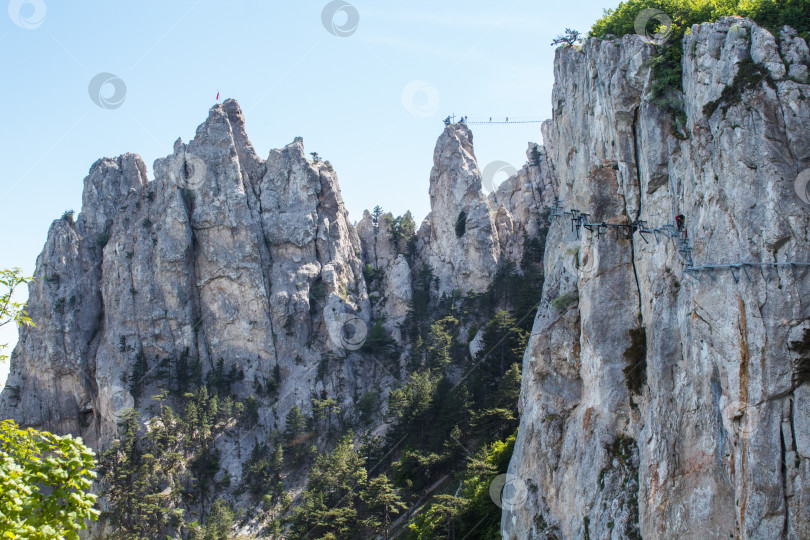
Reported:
(494, 120)
(677, 232)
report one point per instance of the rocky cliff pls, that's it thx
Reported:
(664, 385)
(229, 267)
(217, 257)
(664, 390)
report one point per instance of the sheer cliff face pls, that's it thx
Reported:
(707, 435)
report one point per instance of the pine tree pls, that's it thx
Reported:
(277, 462)
(441, 341)
(383, 504)
(322, 411)
(134, 473)
(378, 211)
(295, 427)
(220, 521)
(137, 379)
(330, 503)
(503, 345)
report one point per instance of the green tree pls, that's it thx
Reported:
(378, 211)
(440, 519)
(294, 430)
(571, 37)
(410, 404)
(383, 503)
(134, 473)
(667, 84)
(440, 342)
(367, 406)
(403, 233)
(44, 484)
(150, 475)
(472, 509)
(188, 373)
(138, 377)
(503, 344)
(203, 421)
(44, 478)
(220, 521)
(330, 505)
(259, 472)
(11, 310)
(377, 340)
(323, 410)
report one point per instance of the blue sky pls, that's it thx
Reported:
(292, 77)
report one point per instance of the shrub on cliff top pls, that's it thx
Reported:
(667, 64)
(684, 13)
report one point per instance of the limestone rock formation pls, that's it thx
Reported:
(662, 395)
(225, 262)
(390, 279)
(460, 243)
(662, 401)
(520, 201)
(223, 255)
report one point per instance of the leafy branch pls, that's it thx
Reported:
(10, 310)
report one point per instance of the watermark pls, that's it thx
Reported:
(508, 491)
(802, 184)
(332, 14)
(188, 171)
(740, 419)
(420, 98)
(99, 90)
(346, 330)
(494, 174)
(120, 402)
(654, 19)
(27, 14)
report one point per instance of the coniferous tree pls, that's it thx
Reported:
(383, 504)
(378, 211)
(331, 505)
(441, 341)
(137, 379)
(294, 430)
(134, 473)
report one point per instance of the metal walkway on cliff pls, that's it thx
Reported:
(677, 232)
(494, 120)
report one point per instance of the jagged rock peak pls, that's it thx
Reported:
(223, 256)
(462, 246)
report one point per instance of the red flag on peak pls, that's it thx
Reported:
(217, 96)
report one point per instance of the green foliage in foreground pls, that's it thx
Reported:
(44, 484)
(668, 63)
(11, 311)
(44, 478)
